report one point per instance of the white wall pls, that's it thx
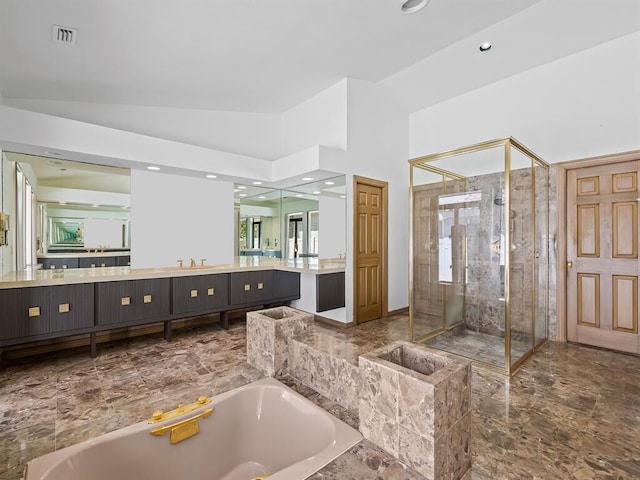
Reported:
(252, 134)
(174, 217)
(333, 222)
(584, 105)
(378, 148)
(320, 120)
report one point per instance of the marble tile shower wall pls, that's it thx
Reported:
(484, 309)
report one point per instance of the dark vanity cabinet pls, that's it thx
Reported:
(40, 312)
(330, 291)
(132, 301)
(199, 294)
(58, 263)
(286, 285)
(94, 262)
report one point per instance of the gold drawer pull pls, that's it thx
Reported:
(64, 266)
(260, 286)
(247, 287)
(34, 311)
(182, 430)
(93, 265)
(124, 301)
(103, 265)
(194, 293)
(63, 308)
(210, 292)
(147, 299)
(52, 267)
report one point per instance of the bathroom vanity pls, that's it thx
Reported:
(44, 304)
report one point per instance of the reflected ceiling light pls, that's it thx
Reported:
(329, 183)
(413, 6)
(262, 197)
(485, 47)
(62, 202)
(241, 187)
(317, 192)
(299, 195)
(242, 194)
(211, 176)
(124, 207)
(95, 205)
(155, 169)
(257, 183)
(306, 179)
(343, 196)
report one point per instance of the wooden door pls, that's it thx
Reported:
(602, 256)
(370, 241)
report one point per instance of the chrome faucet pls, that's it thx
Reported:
(192, 263)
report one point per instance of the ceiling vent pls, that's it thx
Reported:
(64, 34)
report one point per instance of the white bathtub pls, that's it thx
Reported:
(263, 428)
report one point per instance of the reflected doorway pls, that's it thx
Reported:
(295, 234)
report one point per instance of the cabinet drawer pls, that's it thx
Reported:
(58, 263)
(131, 300)
(71, 307)
(89, 262)
(35, 311)
(330, 291)
(286, 284)
(251, 287)
(200, 293)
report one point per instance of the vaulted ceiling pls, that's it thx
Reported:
(269, 55)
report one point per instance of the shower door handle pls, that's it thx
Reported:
(569, 264)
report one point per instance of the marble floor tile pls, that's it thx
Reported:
(571, 412)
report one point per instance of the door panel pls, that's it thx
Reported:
(602, 254)
(370, 288)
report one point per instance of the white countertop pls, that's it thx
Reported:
(34, 278)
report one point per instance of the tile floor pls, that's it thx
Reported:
(571, 412)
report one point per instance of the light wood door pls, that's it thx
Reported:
(370, 241)
(602, 256)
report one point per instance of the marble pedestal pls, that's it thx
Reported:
(415, 402)
(267, 334)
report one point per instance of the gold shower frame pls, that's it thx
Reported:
(507, 143)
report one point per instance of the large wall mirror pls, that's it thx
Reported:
(61, 206)
(306, 220)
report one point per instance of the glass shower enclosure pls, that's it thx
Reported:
(479, 252)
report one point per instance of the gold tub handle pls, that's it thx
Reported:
(184, 429)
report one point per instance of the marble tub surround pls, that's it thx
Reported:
(415, 402)
(267, 334)
(327, 365)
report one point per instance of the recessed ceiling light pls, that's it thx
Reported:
(257, 183)
(241, 187)
(307, 179)
(485, 46)
(413, 6)
(262, 197)
(329, 183)
(242, 194)
(211, 176)
(155, 169)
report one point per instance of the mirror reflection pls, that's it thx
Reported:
(288, 223)
(62, 207)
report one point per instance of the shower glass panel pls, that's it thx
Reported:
(479, 257)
